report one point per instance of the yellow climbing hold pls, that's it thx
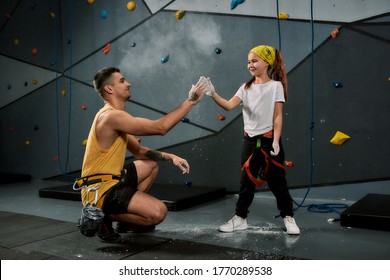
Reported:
(34, 82)
(131, 6)
(179, 14)
(282, 15)
(85, 142)
(339, 138)
(90, 1)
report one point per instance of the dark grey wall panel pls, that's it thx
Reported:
(20, 78)
(33, 26)
(358, 109)
(381, 31)
(34, 119)
(6, 9)
(89, 32)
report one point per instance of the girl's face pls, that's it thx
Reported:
(256, 66)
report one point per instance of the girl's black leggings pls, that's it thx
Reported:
(275, 177)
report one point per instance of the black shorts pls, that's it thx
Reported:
(118, 197)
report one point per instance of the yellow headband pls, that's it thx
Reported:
(266, 53)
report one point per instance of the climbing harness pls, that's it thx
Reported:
(93, 179)
(259, 178)
(92, 216)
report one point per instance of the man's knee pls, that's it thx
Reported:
(159, 213)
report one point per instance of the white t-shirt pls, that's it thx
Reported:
(258, 103)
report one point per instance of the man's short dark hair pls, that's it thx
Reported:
(102, 78)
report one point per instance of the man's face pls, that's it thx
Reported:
(120, 86)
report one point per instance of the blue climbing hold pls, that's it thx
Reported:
(337, 84)
(188, 183)
(103, 14)
(235, 3)
(165, 58)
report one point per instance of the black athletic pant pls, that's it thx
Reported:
(275, 177)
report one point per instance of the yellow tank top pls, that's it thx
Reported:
(102, 161)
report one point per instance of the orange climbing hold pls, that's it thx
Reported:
(335, 33)
(106, 49)
(221, 117)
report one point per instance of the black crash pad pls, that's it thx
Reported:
(176, 197)
(371, 212)
(8, 178)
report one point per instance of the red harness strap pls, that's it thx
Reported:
(246, 167)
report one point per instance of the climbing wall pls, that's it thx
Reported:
(49, 53)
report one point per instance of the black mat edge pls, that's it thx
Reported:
(354, 216)
(199, 196)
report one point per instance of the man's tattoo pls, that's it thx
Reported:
(194, 96)
(154, 155)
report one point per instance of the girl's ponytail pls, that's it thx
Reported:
(278, 72)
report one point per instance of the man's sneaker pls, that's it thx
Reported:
(236, 223)
(291, 226)
(107, 233)
(125, 227)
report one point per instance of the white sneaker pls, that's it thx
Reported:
(291, 226)
(236, 223)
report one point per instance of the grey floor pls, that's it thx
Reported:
(320, 238)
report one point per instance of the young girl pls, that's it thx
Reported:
(262, 156)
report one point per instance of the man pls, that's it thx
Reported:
(121, 191)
